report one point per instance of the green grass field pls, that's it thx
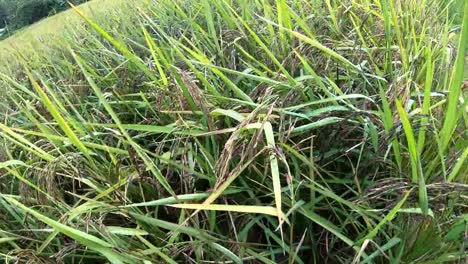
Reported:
(222, 131)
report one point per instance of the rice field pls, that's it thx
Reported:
(282, 131)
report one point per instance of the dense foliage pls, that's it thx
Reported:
(226, 131)
(19, 13)
(3, 16)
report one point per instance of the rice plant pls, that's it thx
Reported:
(221, 131)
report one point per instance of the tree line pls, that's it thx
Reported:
(15, 14)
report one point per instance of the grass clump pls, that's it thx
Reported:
(238, 131)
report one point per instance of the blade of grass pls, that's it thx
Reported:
(455, 87)
(417, 174)
(250, 209)
(275, 174)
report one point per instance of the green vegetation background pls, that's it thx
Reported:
(285, 131)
